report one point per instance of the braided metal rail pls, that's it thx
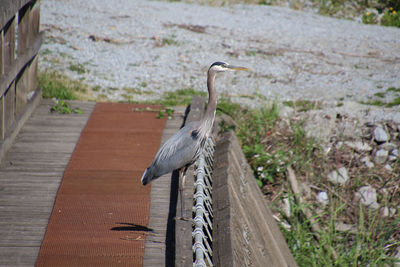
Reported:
(202, 209)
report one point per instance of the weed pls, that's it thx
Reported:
(393, 89)
(179, 97)
(393, 103)
(78, 68)
(380, 94)
(303, 105)
(251, 53)
(54, 86)
(168, 41)
(167, 111)
(391, 18)
(369, 18)
(64, 107)
(376, 102)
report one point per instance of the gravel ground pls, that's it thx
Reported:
(292, 54)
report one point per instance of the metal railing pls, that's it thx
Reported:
(202, 208)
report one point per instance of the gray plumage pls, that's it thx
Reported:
(184, 147)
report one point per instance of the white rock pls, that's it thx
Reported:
(322, 197)
(392, 158)
(395, 152)
(387, 146)
(387, 212)
(380, 135)
(358, 146)
(367, 162)
(388, 167)
(286, 207)
(381, 156)
(344, 227)
(338, 176)
(367, 196)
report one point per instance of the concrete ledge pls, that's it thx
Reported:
(245, 233)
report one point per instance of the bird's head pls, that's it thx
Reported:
(223, 66)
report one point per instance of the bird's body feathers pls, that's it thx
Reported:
(180, 150)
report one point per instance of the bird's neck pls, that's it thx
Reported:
(212, 98)
(208, 118)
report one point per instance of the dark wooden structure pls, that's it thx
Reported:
(244, 231)
(20, 41)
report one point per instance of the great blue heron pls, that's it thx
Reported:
(184, 147)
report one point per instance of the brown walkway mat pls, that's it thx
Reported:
(101, 210)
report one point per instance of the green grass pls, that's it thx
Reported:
(368, 245)
(168, 41)
(78, 68)
(254, 127)
(270, 146)
(56, 85)
(179, 97)
(303, 105)
(391, 93)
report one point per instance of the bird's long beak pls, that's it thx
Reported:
(237, 68)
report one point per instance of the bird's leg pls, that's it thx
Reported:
(182, 178)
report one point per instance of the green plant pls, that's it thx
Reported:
(303, 105)
(167, 111)
(78, 68)
(179, 97)
(168, 41)
(64, 107)
(391, 18)
(369, 18)
(54, 85)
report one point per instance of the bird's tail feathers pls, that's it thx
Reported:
(147, 176)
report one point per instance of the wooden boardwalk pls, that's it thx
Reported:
(30, 175)
(160, 246)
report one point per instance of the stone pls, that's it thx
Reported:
(322, 197)
(344, 227)
(395, 152)
(381, 156)
(392, 158)
(286, 207)
(388, 167)
(387, 212)
(367, 162)
(380, 135)
(358, 146)
(339, 176)
(387, 146)
(367, 196)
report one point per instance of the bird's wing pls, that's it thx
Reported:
(183, 143)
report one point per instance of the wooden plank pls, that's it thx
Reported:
(34, 20)
(9, 108)
(243, 236)
(22, 89)
(14, 129)
(21, 256)
(29, 179)
(9, 8)
(11, 69)
(2, 47)
(9, 49)
(23, 29)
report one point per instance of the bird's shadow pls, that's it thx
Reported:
(131, 227)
